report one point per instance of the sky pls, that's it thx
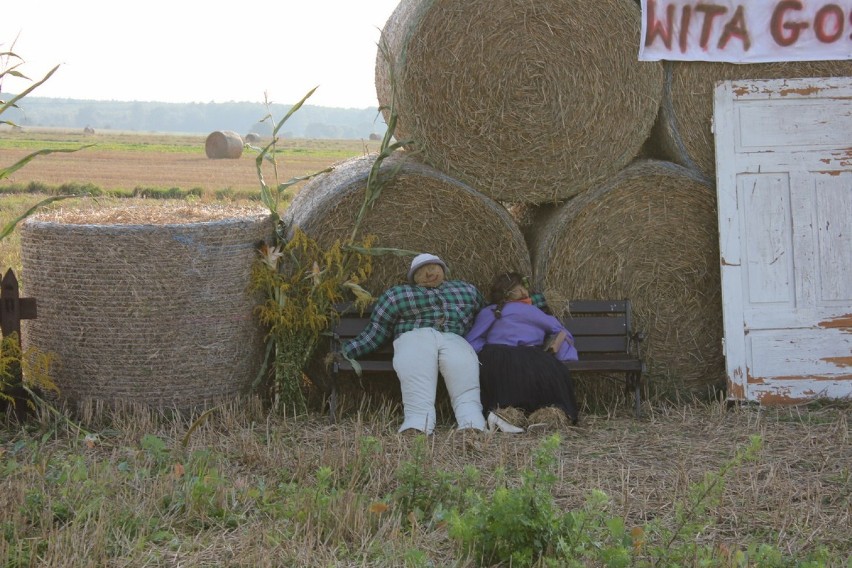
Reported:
(198, 51)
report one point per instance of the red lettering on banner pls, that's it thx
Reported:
(736, 27)
(710, 12)
(655, 28)
(681, 24)
(777, 25)
(685, 16)
(824, 16)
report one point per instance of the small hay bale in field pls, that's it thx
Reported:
(648, 235)
(686, 113)
(420, 209)
(524, 101)
(223, 144)
(146, 304)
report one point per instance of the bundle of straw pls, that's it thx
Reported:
(648, 235)
(524, 101)
(146, 304)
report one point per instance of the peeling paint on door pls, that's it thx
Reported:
(784, 185)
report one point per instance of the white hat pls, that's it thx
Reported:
(423, 259)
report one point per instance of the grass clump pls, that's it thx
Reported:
(523, 526)
(24, 376)
(301, 283)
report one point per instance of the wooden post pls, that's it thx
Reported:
(13, 308)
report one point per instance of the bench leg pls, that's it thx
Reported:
(634, 380)
(332, 396)
(332, 405)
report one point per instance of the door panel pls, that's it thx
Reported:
(784, 184)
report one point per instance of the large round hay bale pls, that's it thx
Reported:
(686, 113)
(524, 101)
(146, 304)
(648, 235)
(420, 209)
(223, 144)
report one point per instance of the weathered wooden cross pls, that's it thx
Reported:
(13, 308)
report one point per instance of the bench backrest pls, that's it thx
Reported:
(352, 323)
(598, 327)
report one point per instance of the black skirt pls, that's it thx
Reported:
(525, 377)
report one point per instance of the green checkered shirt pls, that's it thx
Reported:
(450, 307)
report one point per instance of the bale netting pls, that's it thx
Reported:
(648, 235)
(223, 144)
(684, 130)
(146, 304)
(524, 101)
(420, 209)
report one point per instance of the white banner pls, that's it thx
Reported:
(749, 31)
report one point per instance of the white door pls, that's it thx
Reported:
(784, 185)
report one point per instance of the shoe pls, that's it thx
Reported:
(497, 423)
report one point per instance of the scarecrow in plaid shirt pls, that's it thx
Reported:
(427, 319)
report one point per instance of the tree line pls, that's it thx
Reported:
(197, 118)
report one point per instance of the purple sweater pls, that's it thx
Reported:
(520, 325)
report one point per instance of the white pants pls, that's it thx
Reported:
(418, 356)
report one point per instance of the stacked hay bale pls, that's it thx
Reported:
(543, 107)
(420, 209)
(523, 101)
(648, 234)
(684, 131)
(146, 304)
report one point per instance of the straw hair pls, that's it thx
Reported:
(684, 130)
(524, 101)
(548, 418)
(648, 235)
(140, 305)
(420, 210)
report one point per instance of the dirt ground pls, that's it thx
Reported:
(120, 170)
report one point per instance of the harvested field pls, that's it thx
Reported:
(255, 490)
(123, 161)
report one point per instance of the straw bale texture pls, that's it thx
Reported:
(147, 305)
(648, 235)
(686, 113)
(421, 210)
(223, 144)
(524, 101)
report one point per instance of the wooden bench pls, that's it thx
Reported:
(606, 343)
(603, 336)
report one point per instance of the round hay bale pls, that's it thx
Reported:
(686, 113)
(420, 209)
(223, 144)
(525, 102)
(146, 304)
(648, 235)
